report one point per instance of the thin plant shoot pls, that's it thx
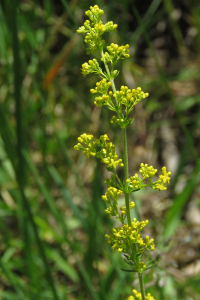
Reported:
(127, 238)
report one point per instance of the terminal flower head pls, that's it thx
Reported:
(94, 29)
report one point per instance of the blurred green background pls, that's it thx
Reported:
(52, 221)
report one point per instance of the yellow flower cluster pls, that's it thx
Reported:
(121, 122)
(135, 182)
(91, 67)
(115, 53)
(95, 29)
(85, 138)
(123, 238)
(149, 172)
(112, 210)
(129, 98)
(112, 192)
(102, 88)
(106, 152)
(94, 14)
(139, 296)
(160, 184)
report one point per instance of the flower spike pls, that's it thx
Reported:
(127, 239)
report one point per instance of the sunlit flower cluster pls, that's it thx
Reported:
(135, 182)
(94, 14)
(129, 98)
(102, 88)
(112, 192)
(115, 53)
(123, 238)
(99, 148)
(139, 296)
(125, 97)
(94, 29)
(160, 184)
(91, 67)
(111, 198)
(148, 172)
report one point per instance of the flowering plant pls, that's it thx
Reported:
(127, 238)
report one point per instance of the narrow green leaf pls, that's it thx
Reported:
(44, 190)
(13, 280)
(174, 213)
(63, 265)
(7, 255)
(128, 270)
(58, 180)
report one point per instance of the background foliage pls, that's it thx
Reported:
(52, 221)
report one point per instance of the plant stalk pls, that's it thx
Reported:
(106, 66)
(126, 176)
(142, 289)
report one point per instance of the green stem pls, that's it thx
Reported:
(142, 289)
(106, 66)
(113, 86)
(126, 176)
(119, 112)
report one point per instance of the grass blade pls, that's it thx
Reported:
(50, 201)
(12, 279)
(58, 180)
(174, 213)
